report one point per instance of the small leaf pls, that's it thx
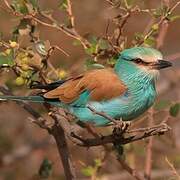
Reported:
(45, 169)
(163, 104)
(111, 61)
(103, 44)
(34, 3)
(174, 109)
(91, 50)
(76, 43)
(63, 5)
(96, 66)
(138, 36)
(130, 3)
(158, 12)
(20, 6)
(174, 18)
(88, 171)
(150, 41)
(92, 39)
(25, 6)
(6, 58)
(98, 162)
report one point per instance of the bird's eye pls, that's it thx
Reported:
(138, 61)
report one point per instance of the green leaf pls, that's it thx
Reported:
(45, 169)
(92, 39)
(25, 6)
(160, 11)
(150, 41)
(138, 36)
(174, 109)
(91, 50)
(130, 3)
(34, 3)
(163, 104)
(103, 44)
(23, 28)
(63, 4)
(91, 64)
(76, 43)
(111, 61)
(174, 18)
(88, 171)
(6, 58)
(98, 162)
(20, 6)
(96, 66)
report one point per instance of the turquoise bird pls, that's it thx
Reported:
(124, 92)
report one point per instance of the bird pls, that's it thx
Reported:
(123, 92)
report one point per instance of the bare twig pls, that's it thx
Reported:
(121, 26)
(148, 163)
(120, 139)
(130, 170)
(4, 44)
(176, 174)
(70, 13)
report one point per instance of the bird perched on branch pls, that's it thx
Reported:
(124, 92)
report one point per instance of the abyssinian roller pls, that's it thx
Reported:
(124, 92)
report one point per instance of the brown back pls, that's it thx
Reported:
(103, 84)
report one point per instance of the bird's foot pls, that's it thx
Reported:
(121, 127)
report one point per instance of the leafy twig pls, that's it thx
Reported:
(54, 24)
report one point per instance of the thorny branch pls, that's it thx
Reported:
(71, 32)
(114, 138)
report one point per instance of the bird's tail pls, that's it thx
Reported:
(38, 99)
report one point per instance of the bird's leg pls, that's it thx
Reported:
(121, 127)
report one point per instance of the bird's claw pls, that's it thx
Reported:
(121, 127)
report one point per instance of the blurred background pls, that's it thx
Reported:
(24, 147)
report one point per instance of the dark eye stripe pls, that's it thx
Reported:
(140, 61)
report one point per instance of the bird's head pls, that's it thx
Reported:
(147, 60)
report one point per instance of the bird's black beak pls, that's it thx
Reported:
(160, 64)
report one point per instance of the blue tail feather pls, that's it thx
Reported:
(39, 99)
